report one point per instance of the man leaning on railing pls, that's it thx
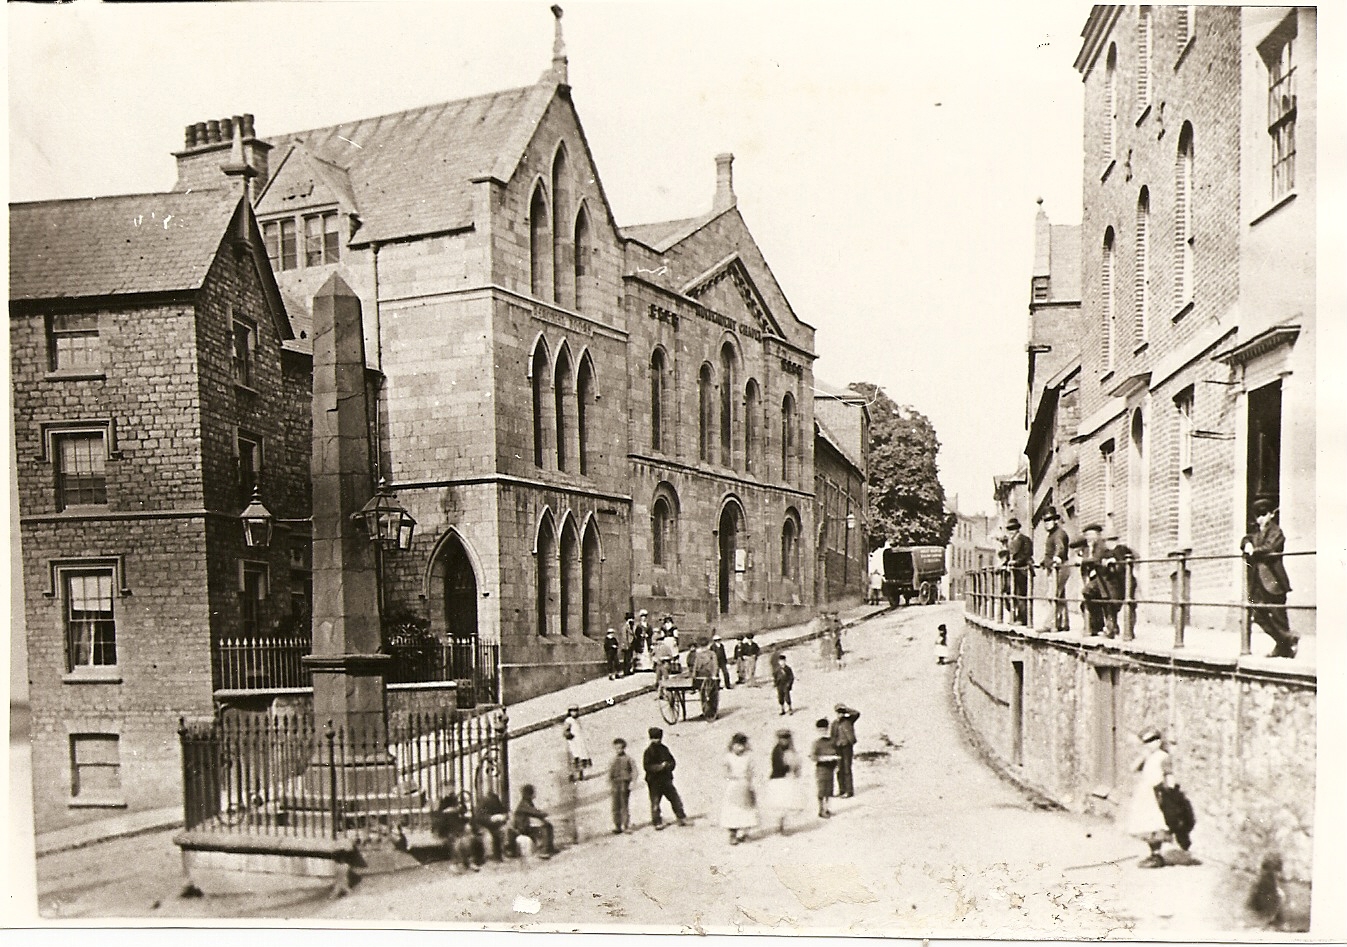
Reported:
(1020, 559)
(1268, 581)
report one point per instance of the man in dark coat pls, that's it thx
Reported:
(1097, 565)
(1268, 581)
(722, 660)
(659, 764)
(843, 733)
(1020, 559)
(1056, 552)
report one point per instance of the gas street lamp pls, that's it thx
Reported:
(389, 526)
(257, 520)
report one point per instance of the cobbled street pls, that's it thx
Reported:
(934, 843)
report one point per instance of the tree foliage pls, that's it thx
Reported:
(907, 501)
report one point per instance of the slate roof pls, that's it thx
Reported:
(411, 172)
(665, 233)
(106, 246)
(832, 440)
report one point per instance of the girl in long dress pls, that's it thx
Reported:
(577, 747)
(738, 811)
(782, 794)
(1145, 819)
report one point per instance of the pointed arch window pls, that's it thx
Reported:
(584, 254)
(1183, 219)
(664, 527)
(591, 581)
(563, 252)
(565, 416)
(540, 246)
(788, 437)
(545, 560)
(568, 565)
(790, 547)
(706, 414)
(540, 375)
(584, 401)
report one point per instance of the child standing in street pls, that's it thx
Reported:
(825, 764)
(612, 649)
(576, 745)
(942, 646)
(784, 679)
(621, 773)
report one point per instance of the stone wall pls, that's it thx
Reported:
(1062, 716)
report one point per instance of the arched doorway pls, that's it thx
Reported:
(460, 606)
(1138, 499)
(730, 545)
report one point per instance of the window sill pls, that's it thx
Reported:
(111, 675)
(1108, 169)
(246, 388)
(1187, 308)
(1142, 117)
(1140, 348)
(1280, 203)
(74, 376)
(1106, 377)
(76, 510)
(96, 803)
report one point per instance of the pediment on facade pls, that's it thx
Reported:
(302, 181)
(729, 289)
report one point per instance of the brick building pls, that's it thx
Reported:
(583, 418)
(842, 513)
(148, 342)
(972, 547)
(1196, 385)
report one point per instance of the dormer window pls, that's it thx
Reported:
(282, 244)
(322, 242)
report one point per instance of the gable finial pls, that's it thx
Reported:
(559, 71)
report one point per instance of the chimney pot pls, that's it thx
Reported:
(213, 130)
(248, 128)
(200, 133)
(226, 129)
(189, 138)
(725, 198)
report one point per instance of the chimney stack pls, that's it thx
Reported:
(725, 198)
(227, 144)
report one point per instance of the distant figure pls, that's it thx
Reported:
(784, 679)
(942, 645)
(843, 734)
(781, 796)
(1267, 900)
(659, 765)
(1145, 819)
(612, 654)
(1268, 581)
(576, 744)
(722, 660)
(1101, 592)
(450, 824)
(738, 810)
(621, 774)
(876, 585)
(838, 651)
(1020, 560)
(628, 639)
(825, 764)
(532, 822)
(1056, 552)
(740, 661)
(493, 817)
(751, 650)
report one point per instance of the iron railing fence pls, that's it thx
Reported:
(369, 780)
(1019, 595)
(275, 662)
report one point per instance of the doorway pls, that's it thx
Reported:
(1017, 714)
(460, 607)
(1263, 465)
(729, 546)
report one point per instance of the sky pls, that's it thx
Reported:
(887, 156)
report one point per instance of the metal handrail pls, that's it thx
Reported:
(990, 593)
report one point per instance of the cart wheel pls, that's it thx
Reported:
(668, 707)
(927, 594)
(710, 697)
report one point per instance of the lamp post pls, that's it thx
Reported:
(846, 552)
(257, 522)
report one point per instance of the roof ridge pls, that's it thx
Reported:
(224, 188)
(399, 112)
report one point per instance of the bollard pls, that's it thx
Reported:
(1129, 613)
(1178, 597)
(330, 735)
(1245, 631)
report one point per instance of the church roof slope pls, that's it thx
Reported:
(108, 246)
(411, 173)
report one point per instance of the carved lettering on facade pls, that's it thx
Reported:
(660, 314)
(790, 368)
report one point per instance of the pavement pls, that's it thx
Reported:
(525, 717)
